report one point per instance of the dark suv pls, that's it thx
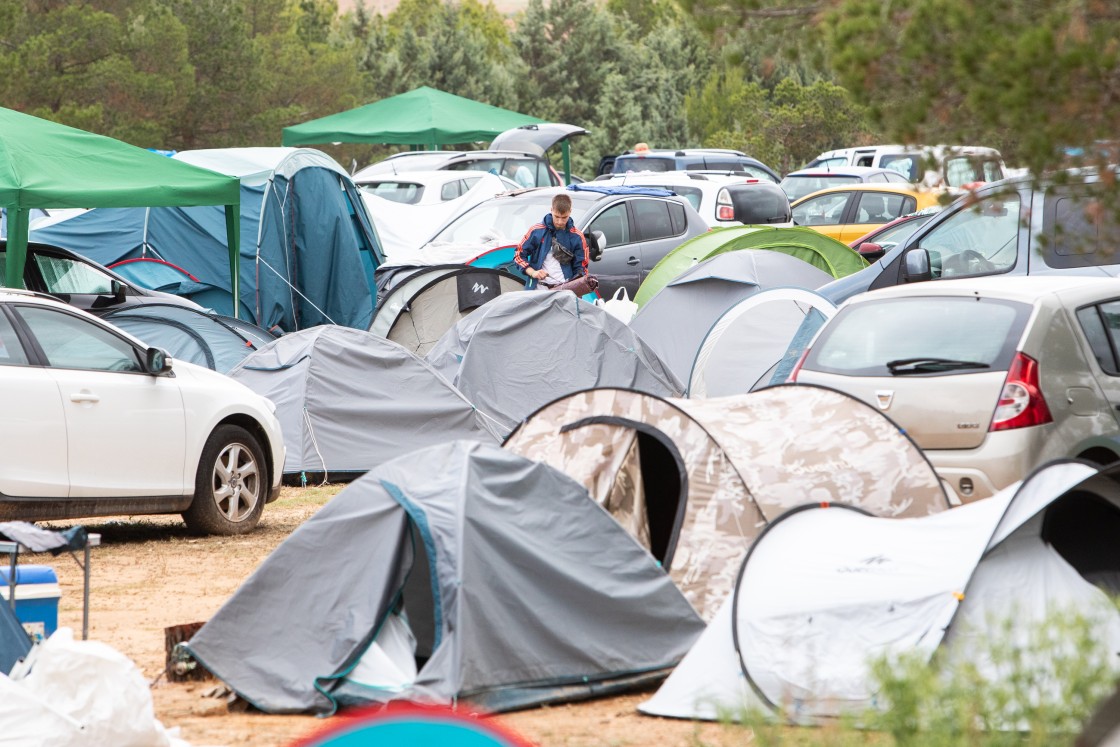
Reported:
(1009, 227)
(695, 159)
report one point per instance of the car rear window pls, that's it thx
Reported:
(623, 164)
(863, 338)
(1079, 228)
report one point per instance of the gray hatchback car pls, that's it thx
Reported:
(990, 376)
(634, 227)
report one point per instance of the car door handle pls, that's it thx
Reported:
(632, 261)
(84, 396)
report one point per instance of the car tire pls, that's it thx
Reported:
(231, 484)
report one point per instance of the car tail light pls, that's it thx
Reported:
(792, 379)
(1021, 403)
(724, 209)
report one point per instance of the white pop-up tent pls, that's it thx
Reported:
(826, 590)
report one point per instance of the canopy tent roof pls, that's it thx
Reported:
(823, 252)
(423, 116)
(44, 164)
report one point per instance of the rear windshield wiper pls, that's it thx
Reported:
(928, 365)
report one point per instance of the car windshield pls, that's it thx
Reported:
(926, 335)
(502, 219)
(797, 187)
(891, 237)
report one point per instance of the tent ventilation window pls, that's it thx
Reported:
(1082, 527)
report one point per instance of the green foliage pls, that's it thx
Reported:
(1026, 77)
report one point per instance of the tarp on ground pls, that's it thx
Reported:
(675, 321)
(823, 252)
(522, 350)
(47, 165)
(826, 590)
(348, 400)
(423, 116)
(696, 481)
(493, 578)
(309, 249)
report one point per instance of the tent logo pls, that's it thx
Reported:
(884, 397)
(481, 288)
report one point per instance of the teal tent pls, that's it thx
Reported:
(44, 164)
(423, 116)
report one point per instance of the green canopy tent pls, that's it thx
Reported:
(823, 252)
(44, 164)
(423, 116)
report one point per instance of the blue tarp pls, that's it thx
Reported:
(308, 248)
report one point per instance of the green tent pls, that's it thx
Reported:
(423, 116)
(821, 251)
(45, 165)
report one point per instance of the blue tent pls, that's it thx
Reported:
(14, 642)
(308, 248)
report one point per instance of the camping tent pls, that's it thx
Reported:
(14, 641)
(427, 301)
(497, 573)
(697, 480)
(310, 253)
(757, 342)
(823, 252)
(423, 116)
(191, 335)
(521, 350)
(824, 591)
(674, 321)
(47, 165)
(348, 400)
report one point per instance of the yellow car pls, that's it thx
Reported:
(846, 213)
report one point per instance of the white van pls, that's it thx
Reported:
(951, 166)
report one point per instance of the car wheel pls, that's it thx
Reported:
(231, 484)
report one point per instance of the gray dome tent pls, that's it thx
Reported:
(522, 350)
(196, 336)
(515, 588)
(696, 480)
(348, 400)
(675, 320)
(824, 591)
(424, 302)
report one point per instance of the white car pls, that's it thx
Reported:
(722, 199)
(96, 423)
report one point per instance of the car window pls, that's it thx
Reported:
(614, 225)
(692, 194)
(825, 210)
(907, 166)
(71, 342)
(11, 351)
(451, 190)
(405, 192)
(1079, 229)
(652, 219)
(624, 164)
(889, 238)
(980, 239)
(877, 207)
(1101, 325)
(893, 178)
(64, 275)
(677, 216)
(503, 219)
(863, 338)
(797, 187)
(493, 165)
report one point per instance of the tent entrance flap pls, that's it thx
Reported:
(1082, 527)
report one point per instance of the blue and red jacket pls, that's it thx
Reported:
(537, 243)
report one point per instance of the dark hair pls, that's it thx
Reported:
(562, 202)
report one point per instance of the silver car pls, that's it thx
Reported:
(990, 376)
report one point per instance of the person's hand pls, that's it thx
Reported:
(540, 274)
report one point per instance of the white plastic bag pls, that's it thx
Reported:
(619, 306)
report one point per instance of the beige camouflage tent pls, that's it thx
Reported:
(697, 480)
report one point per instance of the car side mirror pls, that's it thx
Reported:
(157, 361)
(118, 290)
(871, 251)
(915, 267)
(596, 245)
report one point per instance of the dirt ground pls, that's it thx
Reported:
(150, 574)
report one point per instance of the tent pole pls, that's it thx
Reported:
(567, 161)
(233, 235)
(18, 219)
